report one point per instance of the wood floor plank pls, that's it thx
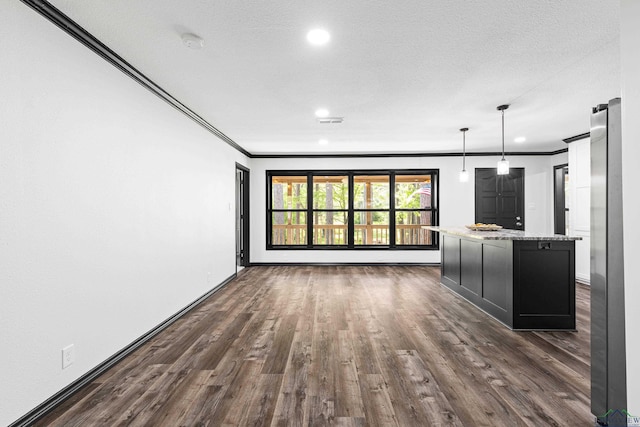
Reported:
(61, 410)
(408, 410)
(109, 400)
(184, 401)
(143, 409)
(306, 312)
(192, 331)
(261, 408)
(322, 376)
(366, 361)
(426, 390)
(292, 399)
(348, 396)
(343, 346)
(377, 403)
(279, 355)
(202, 409)
(350, 422)
(241, 389)
(212, 356)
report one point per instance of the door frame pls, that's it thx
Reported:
(559, 212)
(242, 223)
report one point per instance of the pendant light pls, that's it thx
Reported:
(503, 164)
(464, 175)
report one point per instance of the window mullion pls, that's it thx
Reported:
(310, 210)
(392, 210)
(350, 215)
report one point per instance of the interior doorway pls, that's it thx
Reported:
(561, 199)
(499, 199)
(242, 216)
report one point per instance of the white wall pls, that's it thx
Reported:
(580, 204)
(630, 46)
(456, 201)
(114, 209)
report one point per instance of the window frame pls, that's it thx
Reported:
(351, 211)
(312, 209)
(271, 211)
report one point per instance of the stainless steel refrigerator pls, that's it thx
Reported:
(608, 364)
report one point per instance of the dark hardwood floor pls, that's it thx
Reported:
(344, 346)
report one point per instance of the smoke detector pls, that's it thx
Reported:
(192, 41)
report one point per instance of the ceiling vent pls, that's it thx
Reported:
(330, 119)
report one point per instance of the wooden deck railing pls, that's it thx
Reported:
(336, 234)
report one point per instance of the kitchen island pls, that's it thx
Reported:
(525, 280)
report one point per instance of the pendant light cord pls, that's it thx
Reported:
(503, 164)
(464, 148)
(463, 151)
(502, 134)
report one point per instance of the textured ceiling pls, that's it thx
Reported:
(405, 75)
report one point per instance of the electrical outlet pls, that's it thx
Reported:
(68, 356)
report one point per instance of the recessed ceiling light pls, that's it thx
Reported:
(322, 112)
(323, 141)
(318, 36)
(520, 139)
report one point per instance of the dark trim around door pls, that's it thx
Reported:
(559, 206)
(245, 216)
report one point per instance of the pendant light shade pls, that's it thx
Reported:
(503, 167)
(503, 164)
(464, 175)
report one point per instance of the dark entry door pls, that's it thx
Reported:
(500, 198)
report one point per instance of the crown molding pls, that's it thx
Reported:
(577, 137)
(66, 24)
(449, 154)
(72, 28)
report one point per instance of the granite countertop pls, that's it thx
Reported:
(498, 235)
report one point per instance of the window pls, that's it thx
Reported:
(330, 209)
(345, 209)
(413, 209)
(371, 209)
(288, 210)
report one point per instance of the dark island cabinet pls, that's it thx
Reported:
(527, 284)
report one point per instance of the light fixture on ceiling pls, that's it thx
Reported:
(330, 120)
(520, 139)
(503, 164)
(192, 41)
(323, 141)
(322, 112)
(464, 175)
(318, 37)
